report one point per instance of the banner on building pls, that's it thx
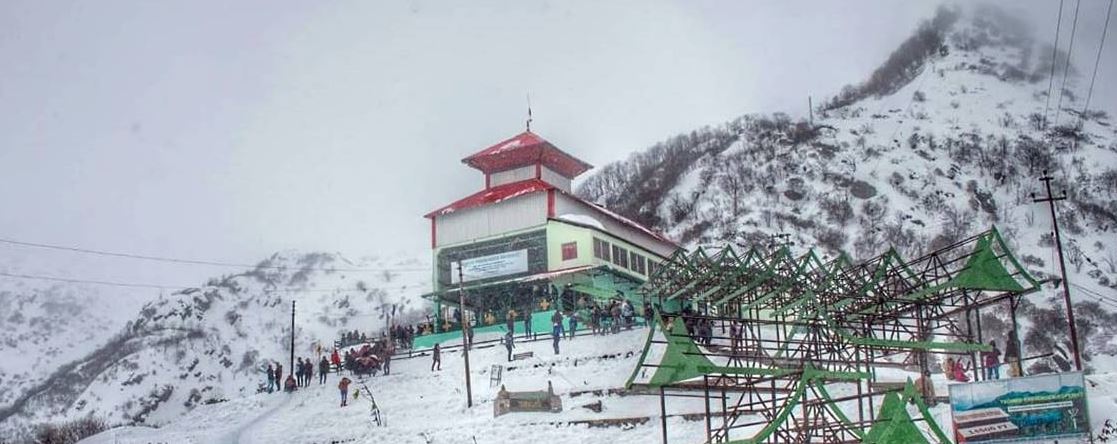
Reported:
(494, 265)
(1030, 409)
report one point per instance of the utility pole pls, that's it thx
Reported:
(465, 335)
(1050, 200)
(292, 367)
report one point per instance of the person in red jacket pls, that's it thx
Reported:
(336, 359)
(344, 387)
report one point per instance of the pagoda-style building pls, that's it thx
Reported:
(526, 242)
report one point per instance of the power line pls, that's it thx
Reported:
(198, 262)
(1054, 61)
(1097, 61)
(184, 287)
(1066, 68)
(87, 281)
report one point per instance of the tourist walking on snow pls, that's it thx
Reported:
(437, 357)
(323, 369)
(508, 344)
(343, 386)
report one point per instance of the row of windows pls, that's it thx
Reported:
(622, 257)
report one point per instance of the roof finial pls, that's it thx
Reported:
(529, 112)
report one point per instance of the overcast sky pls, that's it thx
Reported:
(230, 130)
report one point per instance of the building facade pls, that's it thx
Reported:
(526, 243)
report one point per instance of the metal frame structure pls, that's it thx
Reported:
(821, 351)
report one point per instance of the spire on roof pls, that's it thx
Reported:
(529, 112)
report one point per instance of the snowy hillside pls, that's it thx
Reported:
(420, 406)
(945, 139)
(204, 344)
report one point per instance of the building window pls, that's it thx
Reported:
(569, 251)
(652, 266)
(637, 263)
(620, 256)
(600, 249)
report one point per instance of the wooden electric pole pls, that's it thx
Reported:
(1050, 200)
(465, 335)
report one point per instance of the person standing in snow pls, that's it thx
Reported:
(992, 362)
(278, 377)
(298, 371)
(336, 360)
(343, 386)
(510, 320)
(527, 324)
(509, 344)
(308, 374)
(1012, 356)
(271, 378)
(437, 357)
(556, 332)
(323, 369)
(556, 320)
(573, 323)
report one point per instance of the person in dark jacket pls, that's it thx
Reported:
(527, 323)
(278, 377)
(308, 372)
(1012, 356)
(299, 369)
(290, 385)
(509, 344)
(573, 324)
(437, 354)
(556, 320)
(323, 370)
(556, 334)
(271, 378)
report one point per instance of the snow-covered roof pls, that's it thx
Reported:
(525, 149)
(582, 219)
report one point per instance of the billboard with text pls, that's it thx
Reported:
(1031, 409)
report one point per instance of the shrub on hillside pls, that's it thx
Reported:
(69, 432)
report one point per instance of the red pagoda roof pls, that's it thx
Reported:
(525, 149)
(493, 195)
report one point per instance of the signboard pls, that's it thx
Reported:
(1033, 409)
(490, 266)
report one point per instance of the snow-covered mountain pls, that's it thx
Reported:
(192, 347)
(945, 139)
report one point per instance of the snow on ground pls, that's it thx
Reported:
(421, 406)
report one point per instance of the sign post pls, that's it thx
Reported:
(1043, 407)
